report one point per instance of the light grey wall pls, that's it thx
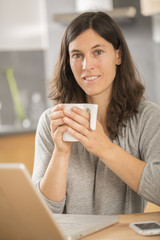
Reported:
(56, 31)
(144, 50)
(138, 34)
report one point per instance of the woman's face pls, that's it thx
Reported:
(93, 61)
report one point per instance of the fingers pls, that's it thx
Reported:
(59, 132)
(56, 117)
(78, 121)
(81, 112)
(76, 126)
(76, 118)
(77, 115)
(57, 112)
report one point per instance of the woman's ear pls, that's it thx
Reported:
(118, 56)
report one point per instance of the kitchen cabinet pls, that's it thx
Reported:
(18, 148)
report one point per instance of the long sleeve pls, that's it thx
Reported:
(149, 145)
(44, 147)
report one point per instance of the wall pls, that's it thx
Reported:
(56, 31)
(144, 50)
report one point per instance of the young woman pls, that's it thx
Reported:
(116, 168)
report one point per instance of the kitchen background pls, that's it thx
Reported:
(30, 36)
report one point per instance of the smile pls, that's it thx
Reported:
(92, 78)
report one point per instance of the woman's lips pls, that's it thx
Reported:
(91, 78)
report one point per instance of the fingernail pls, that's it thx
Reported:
(67, 111)
(74, 108)
(60, 105)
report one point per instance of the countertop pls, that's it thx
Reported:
(11, 129)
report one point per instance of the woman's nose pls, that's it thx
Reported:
(87, 63)
(84, 63)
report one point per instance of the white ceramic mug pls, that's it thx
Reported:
(91, 108)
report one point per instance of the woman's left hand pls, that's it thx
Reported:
(97, 142)
(78, 122)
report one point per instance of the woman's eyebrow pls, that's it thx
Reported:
(95, 46)
(75, 50)
(98, 45)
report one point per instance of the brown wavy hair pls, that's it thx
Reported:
(127, 90)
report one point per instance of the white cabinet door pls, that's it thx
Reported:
(23, 25)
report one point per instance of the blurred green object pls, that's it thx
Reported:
(19, 109)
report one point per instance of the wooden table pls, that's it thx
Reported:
(122, 231)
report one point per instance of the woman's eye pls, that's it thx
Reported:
(98, 52)
(76, 56)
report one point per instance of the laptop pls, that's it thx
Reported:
(25, 215)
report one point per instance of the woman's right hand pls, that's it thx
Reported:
(54, 182)
(58, 127)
